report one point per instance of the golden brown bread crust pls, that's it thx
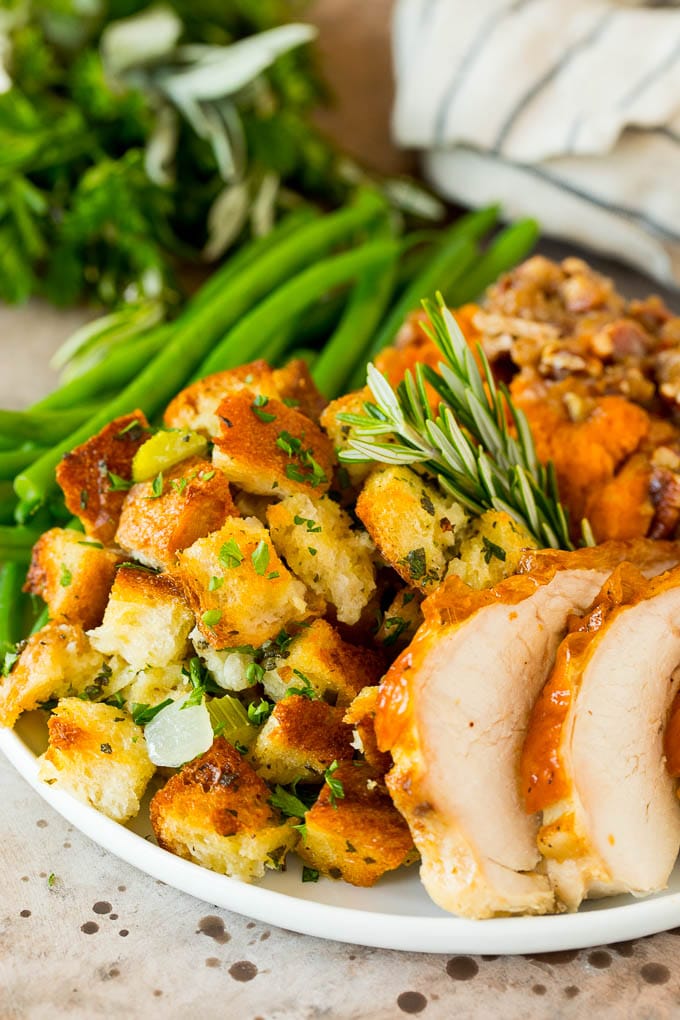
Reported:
(72, 576)
(218, 792)
(333, 666)
(83, 474)
(249, 449)
(360, 836)
(195, 500)
(195, 407)
(312, 729)
(361, 715)
(248, 607)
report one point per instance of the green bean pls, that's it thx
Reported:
(40, 620)
(448, 263)
(14, 461)
(115, 371)
(449, 260)
(506, 250)
(129, 358)
(43, 426)
(18, 537)
(243, 341)
(194, 334)
(11, 581)
(346, 347)
(8, 502)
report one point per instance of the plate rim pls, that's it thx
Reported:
(402, 932)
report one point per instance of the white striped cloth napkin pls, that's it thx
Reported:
(567, 110)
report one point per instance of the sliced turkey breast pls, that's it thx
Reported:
(454, 710)
(593, 761)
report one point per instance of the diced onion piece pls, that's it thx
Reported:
(165, 449)
(178, 734)
(230, 718)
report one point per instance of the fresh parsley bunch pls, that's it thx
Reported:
(135, 135)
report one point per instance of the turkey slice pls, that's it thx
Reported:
(454, 709)
(593, 760)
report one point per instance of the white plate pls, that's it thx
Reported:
(395, 914)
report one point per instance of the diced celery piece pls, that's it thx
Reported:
(230, 719)
(165, 449)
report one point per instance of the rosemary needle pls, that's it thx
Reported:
(468, 444)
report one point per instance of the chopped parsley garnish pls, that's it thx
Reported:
(311, 550)
(309, 874)
(254, 673)
(9, 661)
(312, 526)
(416, 563)
(259, 712)
(288, 803)
(289, 444)
(66, 577)
(118, 484)
(133, 431)
(291, 402)
(260, 558)
(84, 499)
(179, 484)
(106, 749)
(257, 406)
(205, 476)
(116, 700)
(51, 880)
(212, 617)
(491, 550)
(230, 555)
(337, 791)
(427, 504)
(396, 625)
(306, 691)
(157, 486)
(91, 543)
(214, 583)
(143, 714)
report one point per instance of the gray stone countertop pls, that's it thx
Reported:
(103, 940)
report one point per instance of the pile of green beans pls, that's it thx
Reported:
(333, 289)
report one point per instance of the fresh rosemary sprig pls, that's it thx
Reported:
(468, 445)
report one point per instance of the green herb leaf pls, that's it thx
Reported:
(287, 803)
(214, 583)
(66, 577)
(260, 558)
(254, 674)
(337, 791)
(230, 555)
(142, 714)
(259, 712)
(211, 617)
(118, 484)
(257, 407)
(492, 550)
(157, 486)
(309, 874)
(312, 526)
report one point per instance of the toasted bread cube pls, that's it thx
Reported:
(319, 658)
(492, 551)
(415, 528)
(361, 715)
(96, 753)
(216, 812)
(296, 388)
(316, 538)
(340, 432)
(73, 575)
(146, 622)
(88, 474)
(300, 740)
(194, 500)
(271, 450)
(55, 662)
(196, 406)
(240, 591)
(400, 620)
(357, 836)
(153, 685)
